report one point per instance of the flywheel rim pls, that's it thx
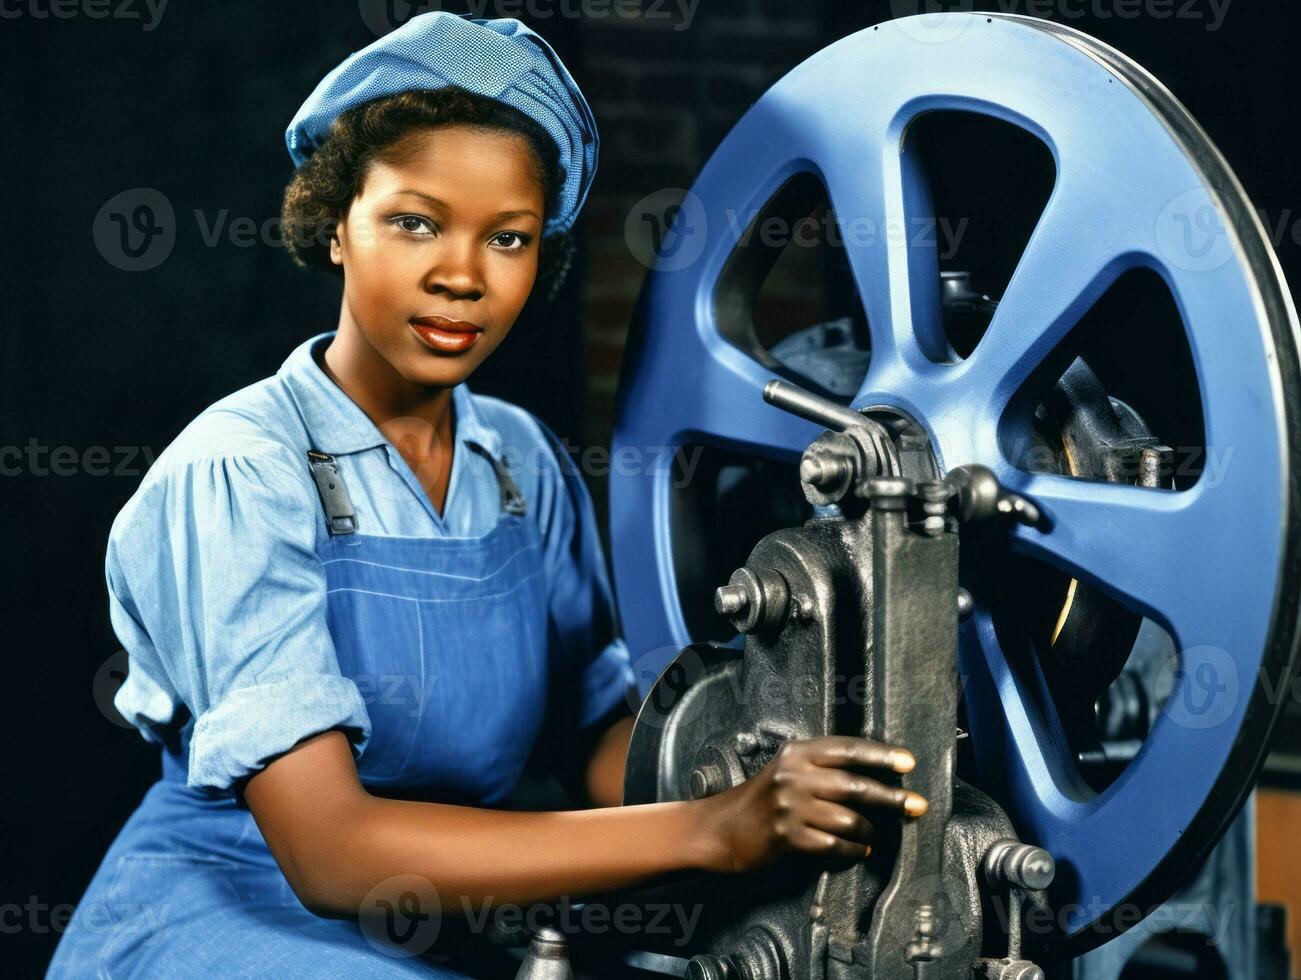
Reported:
(686, 383)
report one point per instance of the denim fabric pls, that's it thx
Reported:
(188, 889)
(435, 642)
(218, 595)
(454, 634)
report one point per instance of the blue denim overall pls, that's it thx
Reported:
(447, 640)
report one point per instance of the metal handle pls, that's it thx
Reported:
(826, 413)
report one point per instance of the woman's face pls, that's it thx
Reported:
(440, 251)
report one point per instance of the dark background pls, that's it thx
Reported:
(195, 108)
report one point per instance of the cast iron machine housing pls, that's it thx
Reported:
(850, 626)
(1127, 792)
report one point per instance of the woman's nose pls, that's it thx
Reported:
(456, 270)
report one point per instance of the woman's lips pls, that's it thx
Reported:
(444, 335)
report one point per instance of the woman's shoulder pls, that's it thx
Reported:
(230, 491)
(257, 423)
(529, 447)
(241, 447)
(543, 465)
(519, 430)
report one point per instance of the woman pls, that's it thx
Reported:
(353, 593)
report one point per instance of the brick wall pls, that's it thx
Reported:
(665, 92)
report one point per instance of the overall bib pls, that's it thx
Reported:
(446, 639)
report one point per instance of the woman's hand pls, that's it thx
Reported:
(810, 798)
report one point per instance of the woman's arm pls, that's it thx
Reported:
(603, 775)
(337, 844)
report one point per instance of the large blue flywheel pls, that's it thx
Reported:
(1215, 564)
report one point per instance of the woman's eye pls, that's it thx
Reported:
(414, 224)
(512, 241)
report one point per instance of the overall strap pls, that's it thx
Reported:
(512, 501)
(340, 518)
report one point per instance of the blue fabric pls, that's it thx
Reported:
(453, 634)
(188, 889)
(499, 58)
(436, 642)
(218, 594)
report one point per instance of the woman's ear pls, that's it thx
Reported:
(336, 244)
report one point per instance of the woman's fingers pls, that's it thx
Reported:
(816, 795)
(814, 841)
(841, 821)
(841, 751)
(850, 788)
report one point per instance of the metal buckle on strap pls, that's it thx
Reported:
(512, 500)
(340, 518)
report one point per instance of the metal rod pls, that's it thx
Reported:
(794, 399)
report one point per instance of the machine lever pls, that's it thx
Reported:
(823, 411)
(981, 497)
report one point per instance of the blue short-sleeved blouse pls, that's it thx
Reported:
(217, 594)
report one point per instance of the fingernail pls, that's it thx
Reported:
(867, 850)
(915, 805)
(901, 760)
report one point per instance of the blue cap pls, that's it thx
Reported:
(500, 58)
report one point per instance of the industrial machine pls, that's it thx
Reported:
(1068, 583)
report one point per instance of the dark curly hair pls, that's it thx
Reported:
(322, 189)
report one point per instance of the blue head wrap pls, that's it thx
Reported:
(499, 58)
